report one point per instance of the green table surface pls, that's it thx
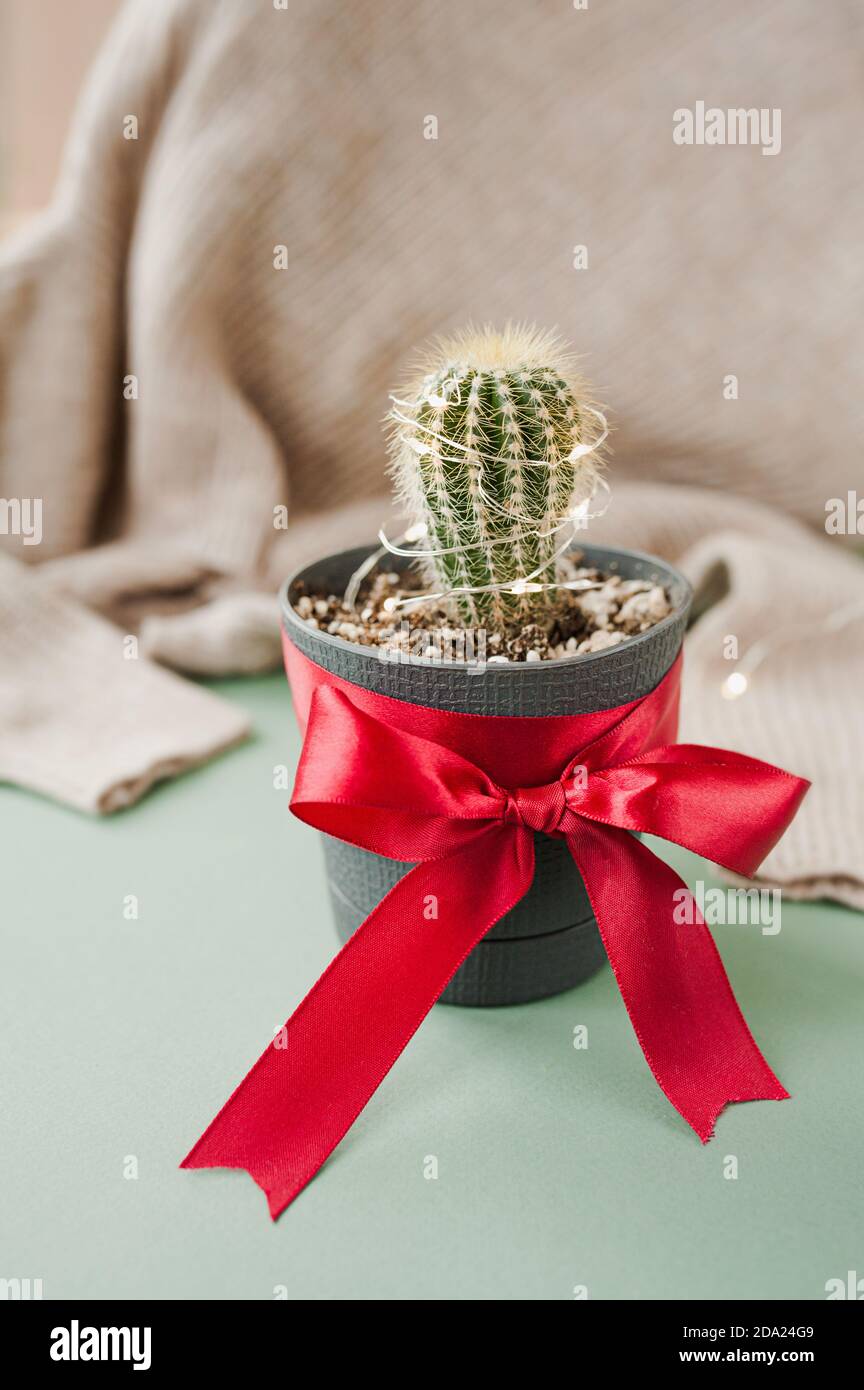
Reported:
(557, 1167)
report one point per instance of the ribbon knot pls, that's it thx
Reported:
(538, 808)
(418, 786)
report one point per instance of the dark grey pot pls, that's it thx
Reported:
(549, 942)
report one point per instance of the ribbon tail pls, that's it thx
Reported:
(671, 979)
(309, 1086)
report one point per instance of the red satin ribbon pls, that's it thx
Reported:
(460, 796)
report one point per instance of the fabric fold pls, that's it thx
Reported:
(87, 719)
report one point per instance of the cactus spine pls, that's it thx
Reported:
(481, 452)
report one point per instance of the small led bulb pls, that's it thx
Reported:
(734, 685)
(416, 532)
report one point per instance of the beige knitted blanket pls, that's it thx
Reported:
(265, 206)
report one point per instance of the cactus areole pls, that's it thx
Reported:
(495, 454)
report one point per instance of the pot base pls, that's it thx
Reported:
(507, 970)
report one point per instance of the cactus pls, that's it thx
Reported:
(482, 443)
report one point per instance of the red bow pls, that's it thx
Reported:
(390, 787)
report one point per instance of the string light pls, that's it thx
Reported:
(574, 520)
(526, 584)
(421, 448)
(739, 681)
(734, 685)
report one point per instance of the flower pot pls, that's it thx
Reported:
(549, 942)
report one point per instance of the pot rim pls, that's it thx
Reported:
(291, 618)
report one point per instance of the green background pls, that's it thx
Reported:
(557, 1167)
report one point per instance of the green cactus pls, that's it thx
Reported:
(482, 453)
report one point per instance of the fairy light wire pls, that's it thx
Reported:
(575, 519)
(738, 682)
(578, 451)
